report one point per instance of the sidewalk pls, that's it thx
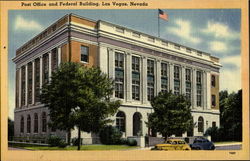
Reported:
(228, 144)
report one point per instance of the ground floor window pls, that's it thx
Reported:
(137, 124)
(200, 124)
(120, 121)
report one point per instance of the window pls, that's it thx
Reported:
(177, 80)
(37, 80)
(119, 29)
(213, 100)
(164, 77)
(85, 54)
(119, 75)
(23, 72)
(28, 124)
(54, 59)
(135, 78)
(30, 73)
(213, 124)
(188, 84)
(44, 122)
(213, 81)
(199, 87)
(45, 68)
(35, 123)
(200, 124)
(120, 121)
(150, 79)
(22, 124)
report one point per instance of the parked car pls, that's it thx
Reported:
(172, 144)
(202, 144)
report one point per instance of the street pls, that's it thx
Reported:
(229, 147)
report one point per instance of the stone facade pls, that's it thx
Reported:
(140, 64)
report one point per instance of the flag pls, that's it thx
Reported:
(163, 15)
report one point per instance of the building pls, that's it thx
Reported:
(141, 65)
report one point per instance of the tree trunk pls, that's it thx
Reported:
(165, 137)
(69, 136)
(79, 138)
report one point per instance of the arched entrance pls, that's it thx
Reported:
(120, 121)
(137, 124)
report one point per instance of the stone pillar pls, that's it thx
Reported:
(209, 91)
(111, 65)
(204, 91)
(49, 65)
(194, 103)
(171, 77)
(26, 85)
(33, 82)
(129, 123)
(183, 80)
(128, 78)
(41, 72)
(158, 76)
(144, 80)
(59, 55)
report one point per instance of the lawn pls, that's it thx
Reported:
(83, 147)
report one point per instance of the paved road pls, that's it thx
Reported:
(229, 147)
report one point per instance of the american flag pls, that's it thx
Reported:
(163, 15)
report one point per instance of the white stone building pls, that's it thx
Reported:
(141, 65)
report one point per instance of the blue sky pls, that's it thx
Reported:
(214, 31)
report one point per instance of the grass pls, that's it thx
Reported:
(83, 147)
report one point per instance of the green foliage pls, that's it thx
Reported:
(79, 96)
(110, 135)
(10, 129)
(56, 141)
(131, 142)
(75, 141)
(231, 116)
(172, 114)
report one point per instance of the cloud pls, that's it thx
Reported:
(184, 31)
(230, 78)
(219, 30)
(27, 25)
(218, 46)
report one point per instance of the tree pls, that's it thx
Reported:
(231, 116)
(79, 96)
(10, 129)
(172, 114)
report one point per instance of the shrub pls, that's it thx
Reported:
(215, 133)
(62, 144)
(56, 141)
(123, 141)
(131, 142)
(110, 135)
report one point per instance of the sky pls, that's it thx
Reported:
(214, 31)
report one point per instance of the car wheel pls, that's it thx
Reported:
(198, 148)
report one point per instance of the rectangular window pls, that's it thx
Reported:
(213, 81)
(30, 74)
(23, 90)
(213, 124)
(199, 87)
(213, 100)
(177, 80)
(54, 60)
(45, 68)
(119, 75)
(150, 79)
(17, 88)
(135, 78)
(84, 54)
(164, 77)
(188, 84)
(37, 80)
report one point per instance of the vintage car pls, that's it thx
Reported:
(172, 144)
(202, 144)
